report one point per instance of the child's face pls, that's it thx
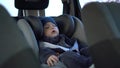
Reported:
(51, 30)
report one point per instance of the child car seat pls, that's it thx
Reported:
(69, 25)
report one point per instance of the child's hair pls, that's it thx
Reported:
(48, 19)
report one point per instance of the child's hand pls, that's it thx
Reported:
(52, 60)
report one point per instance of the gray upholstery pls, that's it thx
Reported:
(15, 52)
(101, 22)
(29, 35)
(36, 26)
(79, 31)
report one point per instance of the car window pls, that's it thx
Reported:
(83, 2)
(9, 5)
(55, 8)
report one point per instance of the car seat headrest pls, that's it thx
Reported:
(65, 24)
(31, 4)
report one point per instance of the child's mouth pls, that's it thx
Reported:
(53, 31)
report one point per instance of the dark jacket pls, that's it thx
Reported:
(62, 41)
(46, 52)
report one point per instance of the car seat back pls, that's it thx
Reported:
(15, 52)
(101, 21)
(29, 35)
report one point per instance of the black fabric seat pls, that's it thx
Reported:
(72, 27)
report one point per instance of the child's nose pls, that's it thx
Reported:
(52, 27)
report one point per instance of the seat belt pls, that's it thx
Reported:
(72, 7)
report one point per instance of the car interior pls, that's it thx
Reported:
(96, 24)
(31, 30)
